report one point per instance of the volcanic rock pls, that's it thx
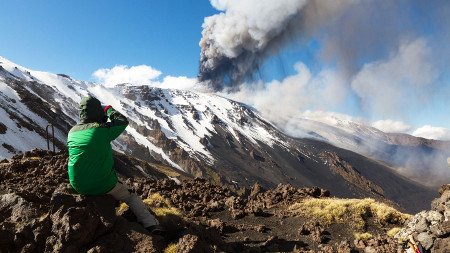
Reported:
(39, 211)
(192, 244)
(426, 239)
(431, 228)
(217, 224)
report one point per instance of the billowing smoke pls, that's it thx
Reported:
(237, 41)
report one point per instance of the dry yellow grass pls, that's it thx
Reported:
(157, 203)
(163, 211)
(356, 211)
(156, 200)
(393, 232)
(122, 208)
(161, 206)
(172, 248)
(363, 236)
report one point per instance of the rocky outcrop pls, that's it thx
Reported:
(431, 228)
(39, 212)
(68, 223)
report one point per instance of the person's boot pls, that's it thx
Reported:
(156, 230)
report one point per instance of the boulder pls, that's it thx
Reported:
(192, 244)
(426, 239)
(431, 228)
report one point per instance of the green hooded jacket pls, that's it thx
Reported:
(90, 163)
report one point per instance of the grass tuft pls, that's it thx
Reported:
(121, 209)
(157, 203)
(393, 232)
(363, 236)
(172, 248)
(355, 211)
(161, 206)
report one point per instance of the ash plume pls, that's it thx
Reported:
(235, 42)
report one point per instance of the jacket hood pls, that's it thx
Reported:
(91, 110)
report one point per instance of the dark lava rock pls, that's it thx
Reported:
(271, 244)
(192, 244)
(39, 212)
(237, 214)
(217, 224)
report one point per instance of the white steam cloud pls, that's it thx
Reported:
(238, 40)
(391, 88)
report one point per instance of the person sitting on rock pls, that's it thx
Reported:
(90, 165)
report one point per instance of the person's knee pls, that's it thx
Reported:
(120, 192)
(135, 199)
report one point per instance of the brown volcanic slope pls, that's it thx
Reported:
(39, 212)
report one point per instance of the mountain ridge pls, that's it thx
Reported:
(204, 135)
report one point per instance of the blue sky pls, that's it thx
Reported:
(80, 37)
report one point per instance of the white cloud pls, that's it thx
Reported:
(392, 126)
(141, 75)
(177, 82)
(431, 132)
(120, 74)
(403, 82)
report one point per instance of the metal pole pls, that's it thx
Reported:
(48, 138)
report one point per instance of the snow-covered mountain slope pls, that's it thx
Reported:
(422, 159)
(27, 107)
(185, 118)
(199, 133)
